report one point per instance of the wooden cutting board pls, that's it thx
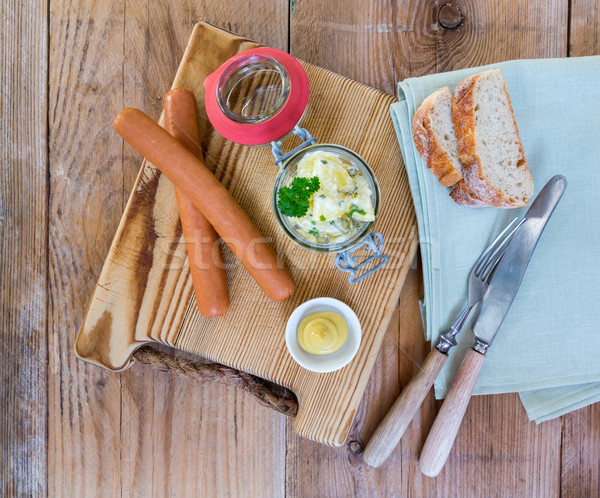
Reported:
(144, 293)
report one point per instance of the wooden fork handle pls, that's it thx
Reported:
(445, 427)
(392, 427)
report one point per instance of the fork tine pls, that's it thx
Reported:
(490, 274)
(491, 263)
(489, 249)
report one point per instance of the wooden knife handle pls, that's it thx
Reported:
(392, 427)
(445, 427)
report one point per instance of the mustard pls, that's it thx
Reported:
(322, 333)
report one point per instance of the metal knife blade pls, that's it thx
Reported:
(507, 277)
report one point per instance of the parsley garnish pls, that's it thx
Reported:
(294, 200)
(314, 231)
(355, 210)
(323, 161)
(322, 218)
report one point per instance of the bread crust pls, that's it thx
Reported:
(463, 196)
(430, 150)
(463, 117)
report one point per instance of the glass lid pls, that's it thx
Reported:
(253, 89)
(257, 96)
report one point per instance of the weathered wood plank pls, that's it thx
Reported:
(23, 248)
(580, 453)
(180, 438)
(313, 470)
(354, 39)
(86, 201)
(187, 439)
(584, 28)
(149, 414)
(493, 452)
(125, 433)
(580, 444)
(491, 31)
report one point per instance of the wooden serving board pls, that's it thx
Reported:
(144, 293)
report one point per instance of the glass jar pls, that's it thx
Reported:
(342, 243)
(259, 97)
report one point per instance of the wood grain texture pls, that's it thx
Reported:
(349, 38)
(153, 295)
(391, 429)
(148, 250)
(86, 199)
(100, 422)
(580, 453)
(163, 417)
(486, 445)
(23, 249)
(179, 438)
(345, 468)
(447, 422)
(490, 32)
(584, 28)
(315, 274)
(580, 441)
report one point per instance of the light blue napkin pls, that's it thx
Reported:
(547, 348)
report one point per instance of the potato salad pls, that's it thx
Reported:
(341, 205)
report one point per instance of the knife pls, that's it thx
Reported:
(494, 306)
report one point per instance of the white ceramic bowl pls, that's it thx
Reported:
(328, 362)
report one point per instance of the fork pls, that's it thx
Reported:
(391, 429)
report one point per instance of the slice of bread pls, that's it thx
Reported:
(434, 137)
(489, 146)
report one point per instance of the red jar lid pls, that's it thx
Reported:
(257, 96)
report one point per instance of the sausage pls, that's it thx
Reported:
(215, 202)
(204, 253)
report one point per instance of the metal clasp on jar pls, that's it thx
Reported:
(281, 157)
(345, 261)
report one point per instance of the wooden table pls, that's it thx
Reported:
(71, 429)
